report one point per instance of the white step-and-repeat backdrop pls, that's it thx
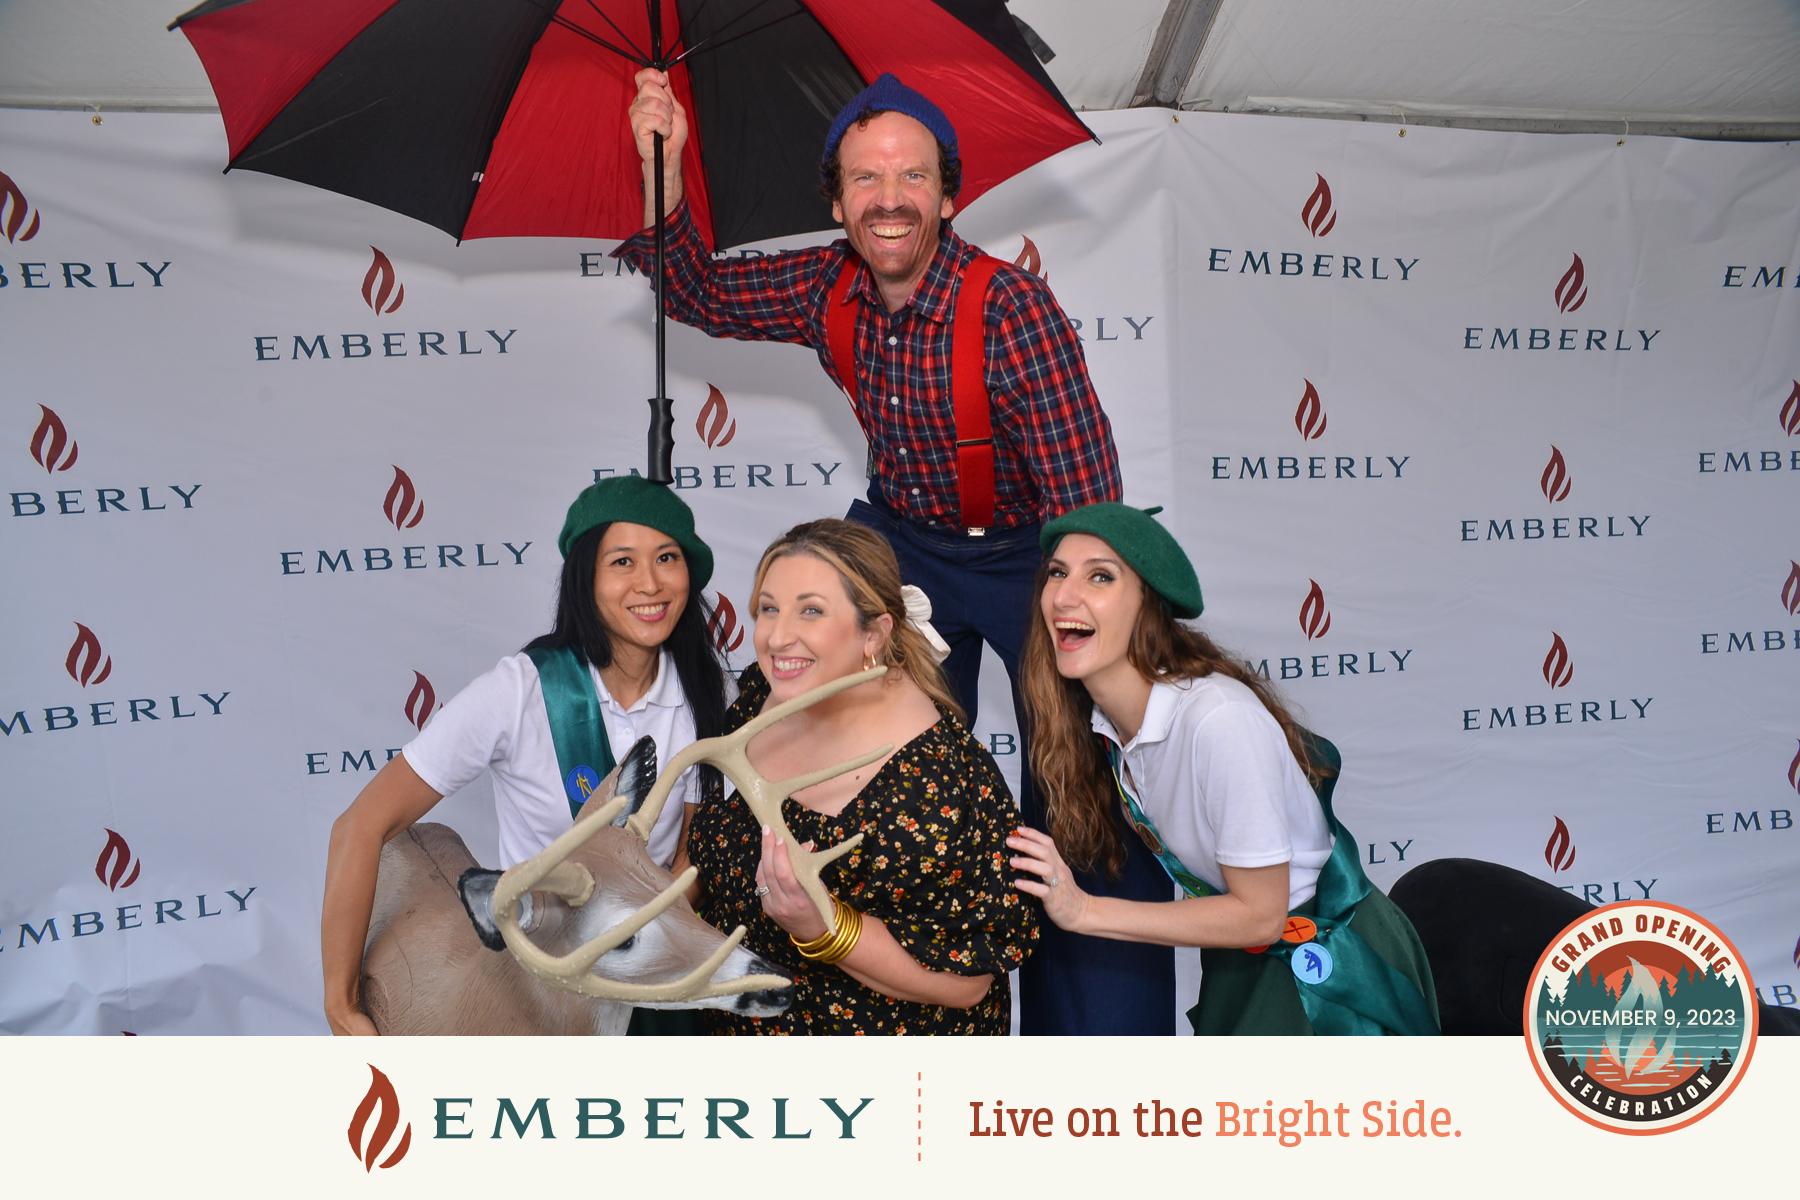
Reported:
(1487, 447)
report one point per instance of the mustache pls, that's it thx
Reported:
(904, 212)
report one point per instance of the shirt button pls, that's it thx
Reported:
(893, 399)
(893, 341)
(915, 491)
(903, 450)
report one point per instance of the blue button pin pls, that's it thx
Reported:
(580, 784)
(1311, 963)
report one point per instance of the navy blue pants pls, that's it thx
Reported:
(980, 589)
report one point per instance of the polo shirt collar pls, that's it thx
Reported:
(1159, 717)
(932, 298)
(664, 693)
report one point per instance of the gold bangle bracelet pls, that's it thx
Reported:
(836, 943)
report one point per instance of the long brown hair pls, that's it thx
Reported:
(1068, 758)
(866, 565)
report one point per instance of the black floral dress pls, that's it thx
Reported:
(932, 867)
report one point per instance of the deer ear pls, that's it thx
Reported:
(637, 775)
(476, 887)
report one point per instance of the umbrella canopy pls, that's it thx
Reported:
(492, 118)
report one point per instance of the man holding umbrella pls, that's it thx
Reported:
(970, 385)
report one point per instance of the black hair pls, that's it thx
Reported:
(831, 171)
(697, 664)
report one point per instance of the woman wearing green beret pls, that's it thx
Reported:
(1134, 712)
(628, 647)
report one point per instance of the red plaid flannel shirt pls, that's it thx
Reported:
(1053, 446)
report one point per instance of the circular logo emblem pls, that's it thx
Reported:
(1311, 963)
(580, 784)
(1640, 1017)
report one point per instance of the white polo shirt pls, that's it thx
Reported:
(1214, 773)
(497, 724)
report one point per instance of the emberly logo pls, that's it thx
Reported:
(117, 870)
(715, 424)
(1318, 217)
(1315, 623)
(1759, 820)
(1733, 462)
(50, 439)
(1030, 260)
(1317, 213)
(1571, 289)
(1315, 620)
(380, 1102)
(403, 508)
(89, 665)
(383, 293)
(1569, 294)
(1559, 851)
(717, 427)
(1752, 641)
(402, 505)
(18, 220)
(1310, 421)
(52, 448)
(421, 702)
(722, 626)
(420, 705)
(1556, 482)
(1558, 672)
(381, 289)
(115, 867)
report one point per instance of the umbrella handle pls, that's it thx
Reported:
(662, 439)
(662, 409)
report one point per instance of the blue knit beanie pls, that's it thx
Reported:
(888, 94)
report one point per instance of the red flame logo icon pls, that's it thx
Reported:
(1790, 591)
(1571, 289)
(115, 867)
(1797, 953)
(49, 441)
(18, 220)
(380, 1096)
(722, 628)
(1309, 416)
(1790, 411)
(1317, 213)
(1315, 621)
(1554, 482)
(1794, 771)
(711, 424)
(381, 290)
(1031, 260)
(85, 662)
(1558, 671)
(1559, 851)
(421, 701)
(403, 506)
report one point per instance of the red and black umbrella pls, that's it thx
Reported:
(494, 118)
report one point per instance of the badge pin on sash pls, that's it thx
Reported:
(580, 784)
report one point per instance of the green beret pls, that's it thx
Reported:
(635, 499)
(1142, 542)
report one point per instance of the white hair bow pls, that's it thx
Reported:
(918, 615)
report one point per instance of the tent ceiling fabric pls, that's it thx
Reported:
(1681, 63)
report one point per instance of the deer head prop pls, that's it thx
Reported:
(518, 896)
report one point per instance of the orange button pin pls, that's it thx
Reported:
(1299, 929)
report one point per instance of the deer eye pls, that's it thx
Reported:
(628, 943)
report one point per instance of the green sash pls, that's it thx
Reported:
(583, 753)
(1361, 992)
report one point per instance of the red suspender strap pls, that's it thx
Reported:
(840, 327)
(968, 390)
(968, 379)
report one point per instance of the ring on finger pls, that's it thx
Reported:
(761, 891)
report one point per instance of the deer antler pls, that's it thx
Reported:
(550, 871)
(764, 796)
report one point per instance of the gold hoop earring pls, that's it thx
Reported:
(868, 662)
